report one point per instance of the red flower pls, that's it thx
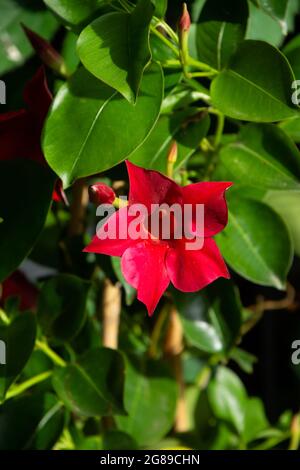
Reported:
(150, 264)
(17, 285)
(20, 131)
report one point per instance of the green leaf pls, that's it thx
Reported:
(262, 27)
(31, 422)
(130, 292)
(145, 387)
(263, 156)
(244, 359)
(115, 48)
(25, 195)
(276, 9)
(256, 86)
(221, 28)
(160, 7)
(62, 306)
(292, 128)
(75, 12)
(255, 419)
(292, 51)
(19, 339)
(228, 398)
(211, 320)
(286, 204)
(182, 127)
(14, 47)
(256, 243)
(94, 128)
(93, 385)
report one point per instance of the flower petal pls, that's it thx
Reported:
(143, 267)
(192, 270)
(151, 187)
(212, 195)
(38, 97)
(118, 239)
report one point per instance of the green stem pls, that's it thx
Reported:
(164, 40)
(295, 433)
(20, 388)
(220, 129)
(43, 346)
(200, 65)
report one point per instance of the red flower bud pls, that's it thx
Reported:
(173, 152)
(185, 20)
(48, 55)
(100, 193)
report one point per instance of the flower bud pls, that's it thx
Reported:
(100, 193)
(185, 20)
(173, 152)
(48, 55)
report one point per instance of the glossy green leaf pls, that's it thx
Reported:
(160, 7)
(14, 47)
(228, 398)
(115, 48)
(75, 12)
(94, 128)
(262, 27)
(93, 385)
(188, 131)
(23, 207)
(292, 52)
(62, 306)
(211, 320)
(145, 386)
(244, 359)
(292, 128)
(256, 86)
(221, 28)
(19, 339)
(31, 422)
(263, 156)
(255, 420)
(286, 204)
(256, 243)
(275, 8)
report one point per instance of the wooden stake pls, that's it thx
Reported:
(78, 208)
(173, 348)
(111, 310)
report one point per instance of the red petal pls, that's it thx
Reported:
(38, 97)
(143, 267)
(192, 270)
(112, 246)
(212, 195)
(151, 187)
(15, 136)
(17, 285)
(58, 193)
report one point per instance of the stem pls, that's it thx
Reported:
(164, 40)
(173, 348)
(78, 208)
(220, 129)
(20, 388)
(111, 311)
(200, 65)
(43, 346)
(156, 333)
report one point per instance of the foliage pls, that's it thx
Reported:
(130, 82)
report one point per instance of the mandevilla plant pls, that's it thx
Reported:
(149, 220)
